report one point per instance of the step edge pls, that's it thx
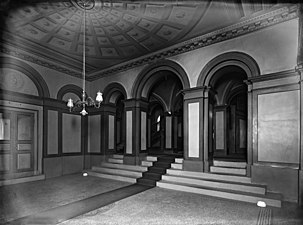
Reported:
(271, 203)
(234, 187)
(114, 174)
(212, 176)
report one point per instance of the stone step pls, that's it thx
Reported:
(113, 177)
(118, 156)
(179, 160)
(244, 197)
(227, 170)
(177, 166)
(151, 158)
(147, 163)
(118, 161)
(114, 171)
(231, 164)
(249, 188)
(124, 167)
(210, 176)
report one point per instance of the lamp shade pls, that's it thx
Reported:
(83, 112)
(70, 103)
(99, 97)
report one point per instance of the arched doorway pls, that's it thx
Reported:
(165, 102)
(227, 103)
(160, 86)
(229, 110)
(156, 127)
(114, 97)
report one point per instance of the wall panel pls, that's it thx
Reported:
(52, 132)
(111, 132)
(71, 133)
(193, 130)
(278, 127)
(94, 133)
(129, 132)
(143, 130)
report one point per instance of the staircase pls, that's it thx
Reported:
(157, 167)
(228, 167)
(115, 169)
(226, 180)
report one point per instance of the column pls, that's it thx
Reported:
(193, 129)
(168, 131)
(136, 130)
(108, 134)
(249, 127)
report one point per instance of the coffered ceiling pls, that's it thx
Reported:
(117, 31)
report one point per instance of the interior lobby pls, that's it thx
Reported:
(151, 112)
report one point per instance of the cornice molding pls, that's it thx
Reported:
(248, 26)
(15, 52)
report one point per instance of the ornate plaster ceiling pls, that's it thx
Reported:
(117, 31)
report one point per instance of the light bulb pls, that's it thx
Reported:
(70, 103)
(83, 112)
(99, 97)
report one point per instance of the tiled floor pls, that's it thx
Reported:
(154, 206)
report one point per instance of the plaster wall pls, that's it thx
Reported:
(274, 49)
(125, 78)
(54, 79)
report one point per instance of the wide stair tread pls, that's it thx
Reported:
(227, 170)
(231, 164)
(217, 184)
(124, 166)
(114, 171)
(129, 179)
(271, 200)
(210, 176)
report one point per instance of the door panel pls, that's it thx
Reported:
(5, 142)
(24, 142)
(16, 142)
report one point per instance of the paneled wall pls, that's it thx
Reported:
(276, 133)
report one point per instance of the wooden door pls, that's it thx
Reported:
(16, 143)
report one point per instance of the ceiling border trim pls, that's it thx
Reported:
(248, 26)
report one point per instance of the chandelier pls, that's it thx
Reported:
(86, 101)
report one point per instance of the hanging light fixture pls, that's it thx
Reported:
(86, 101)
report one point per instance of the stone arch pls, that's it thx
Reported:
(112, 92)
(240, 59)
(69, 88)
(30, 72)
(147, 77)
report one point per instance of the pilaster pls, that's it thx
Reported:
(300, 71)
(193, 129)
(136, 132)
(107, 143)
(249, 127)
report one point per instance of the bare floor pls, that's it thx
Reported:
(25, 199)
(155, 206)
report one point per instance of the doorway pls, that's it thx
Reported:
(17, 143)
(228, 115)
